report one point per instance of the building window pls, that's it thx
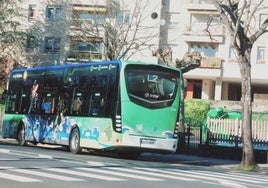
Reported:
(52, 45)
(262, 18)
(53, 13)
(205, 49)
(86, 47)
(123, 18)
(204, 22)
(231, 56)
(32, 12)
(30, 43)
(261, 54)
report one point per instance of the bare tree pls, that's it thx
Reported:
(240, 17)
(12, 37)
(123, 29)
(48, 31)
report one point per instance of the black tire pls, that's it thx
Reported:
(21, 136)
(74, 143)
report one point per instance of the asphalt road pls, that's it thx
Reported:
(45, 166)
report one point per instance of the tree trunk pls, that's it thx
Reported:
(248, 159)
(181, 142)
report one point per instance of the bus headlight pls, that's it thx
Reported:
(176, 130)
(118, 123)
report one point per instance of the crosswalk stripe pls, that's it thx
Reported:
(214, 177)
(142, 173)
(192, 175)
(4, 151)
(166, 171)
(121, 174)
(239, 176)
(251, 176)
(43, 174)
(18, 178)
(77, 173)
(150, 173)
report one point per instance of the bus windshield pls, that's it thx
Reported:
(151, 87)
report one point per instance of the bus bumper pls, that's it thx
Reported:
(150, 144)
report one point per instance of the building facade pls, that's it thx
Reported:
(91, 29)
(66, 29)
(218, 78)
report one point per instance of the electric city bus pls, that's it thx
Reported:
(122, 106)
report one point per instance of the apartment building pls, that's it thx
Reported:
(175, 25)
(80, 29)
(218, 77)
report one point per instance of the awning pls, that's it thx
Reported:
(90, 8)
(206, 12)
(85, 39)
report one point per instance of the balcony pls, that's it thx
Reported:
(80, 23)
(85, 56)
(200, 4)
(199, 1)
(87, 2)
(211, 63)
(198, 29)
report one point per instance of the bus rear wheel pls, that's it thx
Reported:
(21, 136)
(74, 143)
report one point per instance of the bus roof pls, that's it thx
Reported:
(73, 64)
(68, 64)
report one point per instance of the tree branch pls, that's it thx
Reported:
(263, 29)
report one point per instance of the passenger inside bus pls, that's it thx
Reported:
(33, 97)
(77, 105)
(46, 106)
(96, 104)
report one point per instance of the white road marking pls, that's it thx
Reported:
(150, 173)
(77, 173)
(95, 163)
(4, 151)
(47, 175)
(214, 176)
(18, 178)
(228, 183)
(45, 156)
(120, 174)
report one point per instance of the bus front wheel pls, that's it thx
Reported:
(75, 141)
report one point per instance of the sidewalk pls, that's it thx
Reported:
(203, 161)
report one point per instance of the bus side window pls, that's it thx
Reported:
(11, 102)
(96, 104)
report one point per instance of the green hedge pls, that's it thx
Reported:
(195, 111)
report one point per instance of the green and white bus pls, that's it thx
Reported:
(122, 106)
